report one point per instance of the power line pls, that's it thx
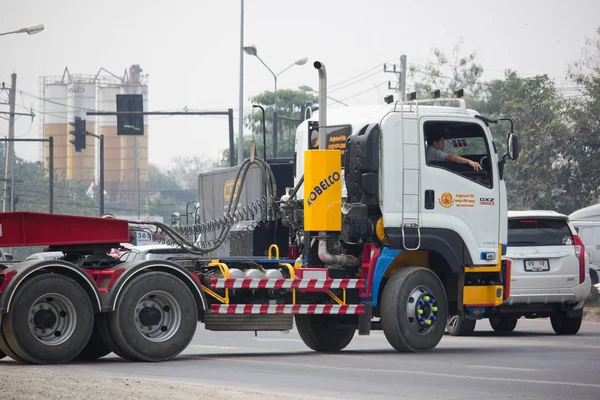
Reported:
(355, 82)
(364, 91)
(356, 76)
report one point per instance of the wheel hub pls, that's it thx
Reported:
(52, 319)
(157, 316)
(150, 316)
(421, 310)
(44, 319)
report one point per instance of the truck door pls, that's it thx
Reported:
(455, 197)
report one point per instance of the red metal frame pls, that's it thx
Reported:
(368, 267)
(507, 277)
(19, 229)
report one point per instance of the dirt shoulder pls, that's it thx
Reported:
(39, 383)
(591, 314)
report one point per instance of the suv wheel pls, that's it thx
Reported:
(564, 325)
(460, 326)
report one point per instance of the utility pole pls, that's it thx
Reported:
(240, 157)
(402, 80)
(10, 147)
(400, 71)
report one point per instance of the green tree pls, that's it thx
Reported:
(449, 74)
(540, 178)
(31, 192)
(289, 106)
(582, 150)
(158, 206)
(159, 179)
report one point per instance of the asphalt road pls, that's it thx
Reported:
(530, 363)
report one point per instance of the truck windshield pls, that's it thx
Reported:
(538, 232)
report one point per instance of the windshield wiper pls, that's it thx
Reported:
(521, 242)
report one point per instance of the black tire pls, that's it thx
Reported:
(460, 326)
(62, 309)
(504, 323)
(564, 325)
(134, 306)
(106, 335)
(404, 291)
(324, 332)
(2, 355)
(5, 348)
(95, 348)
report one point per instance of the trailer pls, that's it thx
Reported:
(379, 237)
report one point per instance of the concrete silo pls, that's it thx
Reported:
(134, 149)
(55, 123)
(107, 126)
(81, 97)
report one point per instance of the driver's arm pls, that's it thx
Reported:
(461, 160)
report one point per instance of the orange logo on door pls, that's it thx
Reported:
(446, 200)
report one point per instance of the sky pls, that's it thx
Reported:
(191, 51)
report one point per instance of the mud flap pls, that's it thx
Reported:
(364, 321)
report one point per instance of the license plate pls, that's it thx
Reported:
(537, 265)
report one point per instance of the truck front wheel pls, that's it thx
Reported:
(50, 320)
(414, 309)
(326, 333)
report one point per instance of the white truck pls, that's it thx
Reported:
(379, 239)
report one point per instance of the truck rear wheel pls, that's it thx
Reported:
(504, 323)
(414, 310)
(460, 326)
(95, 347)
(155, 317)
(324, 332)
(50, 320)
(564, 325)
(6, 350)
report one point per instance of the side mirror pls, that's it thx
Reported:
(175, 219)
(513, 146)
(8, 257)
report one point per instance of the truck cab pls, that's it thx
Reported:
(441, 215)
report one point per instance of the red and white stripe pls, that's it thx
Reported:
(265, 283)
(287, 309)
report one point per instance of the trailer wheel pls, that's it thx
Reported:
(6, 350)
(414, 310)
(324, 332)
(106, 335)
(155, 317)
(460, 326)
(50, 321)
(95, 347)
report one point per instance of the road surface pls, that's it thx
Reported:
(530, 363)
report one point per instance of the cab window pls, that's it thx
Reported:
(463, 139)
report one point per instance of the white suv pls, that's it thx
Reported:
(549, 275)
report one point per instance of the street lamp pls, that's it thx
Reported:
(30, 30)
(308, 89)
(252, 51)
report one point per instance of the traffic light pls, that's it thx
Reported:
(79, 133)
